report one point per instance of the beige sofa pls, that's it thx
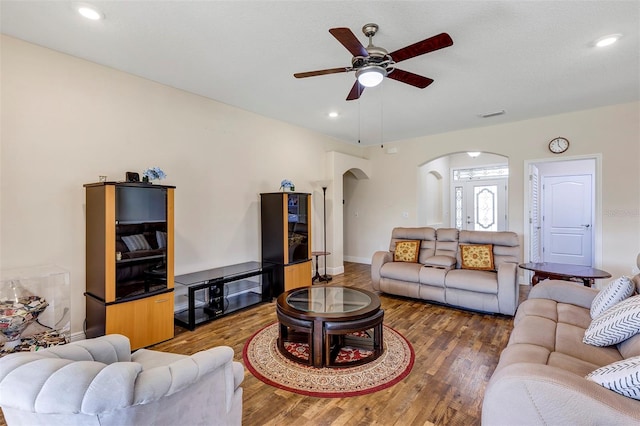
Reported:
(438, 277)
(540, 378)
(99, 382)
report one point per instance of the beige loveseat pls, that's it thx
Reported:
(540, 378)
(99, 382)
(438, 277)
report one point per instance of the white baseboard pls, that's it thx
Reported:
(363, 260)
(337, 270)
(77, 336)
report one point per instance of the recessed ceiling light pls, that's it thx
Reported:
(607, 40)
(473, 154)
(492, 114)
(90, 12)
(333, 114)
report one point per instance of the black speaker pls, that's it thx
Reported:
(216, 300)
(133, 177)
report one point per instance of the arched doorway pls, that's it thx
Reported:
(464, 191)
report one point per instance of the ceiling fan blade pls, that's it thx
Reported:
(356, 91)
(420, 48)
(410, 78)
(320, 72)
(346, 37)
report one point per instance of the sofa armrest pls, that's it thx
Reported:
(537, 394)
(164, 380)
(379, 259)
(564, 292)
(508, 288)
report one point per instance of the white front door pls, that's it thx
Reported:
(484, 205)
(567, 219)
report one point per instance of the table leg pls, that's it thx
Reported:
(316, 277)
(318, 343)
(535, 279)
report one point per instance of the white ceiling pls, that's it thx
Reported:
(529, 58)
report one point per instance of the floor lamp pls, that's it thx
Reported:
(324, 184)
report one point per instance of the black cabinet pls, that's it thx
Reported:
(286, 238)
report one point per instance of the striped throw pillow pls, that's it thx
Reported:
(622, 377)
(615, 292)
(615, 325)
(136, 242)
(161, 238)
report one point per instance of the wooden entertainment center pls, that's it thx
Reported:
(130, 261)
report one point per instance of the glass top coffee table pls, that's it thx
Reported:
(324, 317)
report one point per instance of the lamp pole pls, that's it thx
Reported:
(325, 277)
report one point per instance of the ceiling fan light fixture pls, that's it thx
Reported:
(90, 12)
(371, 75)
(607, 40)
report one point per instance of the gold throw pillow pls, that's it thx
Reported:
(478, 256)
(407, 251)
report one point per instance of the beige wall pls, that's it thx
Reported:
(610, 132)
(65, 121)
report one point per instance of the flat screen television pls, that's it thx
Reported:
(141, 204)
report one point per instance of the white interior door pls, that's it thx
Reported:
(567, 219)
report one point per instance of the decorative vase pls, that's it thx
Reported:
(18, 309)
(145, 179)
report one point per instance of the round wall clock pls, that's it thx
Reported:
(559, 145)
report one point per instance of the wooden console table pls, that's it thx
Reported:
(562, 271)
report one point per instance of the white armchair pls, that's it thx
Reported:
(99, 382)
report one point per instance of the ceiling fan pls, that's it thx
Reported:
(372, 64)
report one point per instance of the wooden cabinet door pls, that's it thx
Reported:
(297, 275)
(144, 321)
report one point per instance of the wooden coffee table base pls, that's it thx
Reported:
(325, 338)
(325, 318)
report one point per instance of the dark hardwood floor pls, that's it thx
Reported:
(456, 353)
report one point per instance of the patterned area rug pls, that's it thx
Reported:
(264, 361)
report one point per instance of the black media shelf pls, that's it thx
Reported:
(217, 292)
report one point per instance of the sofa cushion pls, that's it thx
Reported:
(616, 324)
(407, 251)
(565, 362)
(506, 245)
(401, 271)
(574, 315)
(446, 242)
(426, 235)
(433, 276)
(536, 331)
(622, 377)
(478, 257)
(443, 261)
(615, 292)
(630, 347)
(568, 341)
(477, 281)
(544, 308)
